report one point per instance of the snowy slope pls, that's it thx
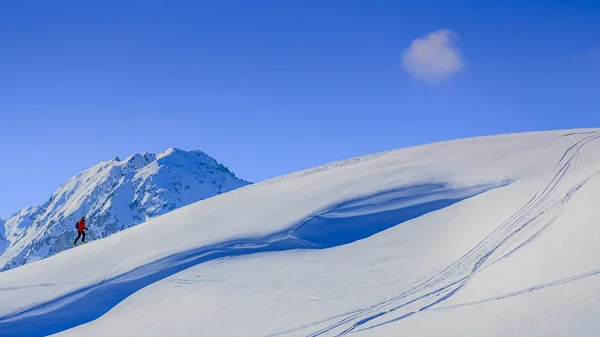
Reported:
(490, 236)
(113, 195)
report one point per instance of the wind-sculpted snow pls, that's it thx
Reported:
(491, 236)
(517, 231)
(342, 224)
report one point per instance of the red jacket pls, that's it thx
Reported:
(81, 225)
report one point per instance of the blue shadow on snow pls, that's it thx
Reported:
(343, 224)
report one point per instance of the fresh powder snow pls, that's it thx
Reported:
(486, 236)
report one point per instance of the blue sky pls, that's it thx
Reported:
(272, 87)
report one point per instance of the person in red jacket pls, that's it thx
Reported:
(81, 228)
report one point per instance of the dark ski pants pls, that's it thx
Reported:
(78, 235)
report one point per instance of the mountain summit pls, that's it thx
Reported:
(113, 195)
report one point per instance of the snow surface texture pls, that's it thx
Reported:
(112, 195)
(491, 236)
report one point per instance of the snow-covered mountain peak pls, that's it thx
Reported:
(178, 157)
(2, 229)
(3, 239)
(176, 152)
(114, 195)
(136, 162)
(170, 151)
(22, 218)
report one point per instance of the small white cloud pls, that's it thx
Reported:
(433, 58)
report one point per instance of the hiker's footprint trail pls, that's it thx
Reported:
(514, 232)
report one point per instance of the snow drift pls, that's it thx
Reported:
(493, 236)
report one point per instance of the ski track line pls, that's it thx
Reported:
(543, 286)
(266, 289)
(547, 191)
(447, 282)
(428, 307)
(40, 285)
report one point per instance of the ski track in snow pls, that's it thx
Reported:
(343, 224)
(442, 285)
(269, 289)
(524, 291)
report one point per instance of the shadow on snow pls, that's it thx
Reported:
(343, 224)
